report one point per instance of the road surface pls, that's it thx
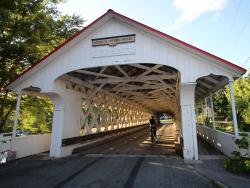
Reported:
(126, 162)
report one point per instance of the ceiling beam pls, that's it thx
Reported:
(167, 85)
(150, 70)
(211, 79)
(133, 87)
(96, 74)
(205, 84)
(133, 79)
(121, 70)
(147, 68)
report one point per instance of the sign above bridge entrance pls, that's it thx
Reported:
(113, 41)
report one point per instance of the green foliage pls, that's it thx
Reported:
(236, 166)
(37, 117)
(242, 143)
(225, 127)
(221, 104)
(29, 29)
(239, 164)
(207, 121)
(199, 119)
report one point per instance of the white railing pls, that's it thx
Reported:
(31, 144)
(5, 144)
(222, 141)
(24, 145)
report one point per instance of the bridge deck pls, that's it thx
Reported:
(138, 143)
(130, 161)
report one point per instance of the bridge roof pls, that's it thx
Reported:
(226, 64)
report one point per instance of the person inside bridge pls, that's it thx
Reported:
(152, 124)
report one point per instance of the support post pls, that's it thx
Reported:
(206, 108)
(57, 126)
(187, 103)
(56, 137)
(236, 132)
(13, 139)
(212, 109)
(196, 111)
(202, 111)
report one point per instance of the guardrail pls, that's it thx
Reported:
(5, 145)
(222, 141)
(24, 145)
(32, 144)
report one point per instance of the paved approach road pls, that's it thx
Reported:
(126, 162)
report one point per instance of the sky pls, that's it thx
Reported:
(221, 27)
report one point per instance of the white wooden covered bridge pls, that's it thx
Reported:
(116, 73)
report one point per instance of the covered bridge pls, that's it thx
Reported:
(116, 73)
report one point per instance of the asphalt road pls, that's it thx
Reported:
(126, 162)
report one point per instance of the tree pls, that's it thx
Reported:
(242, 99)
(29, 29)
(221, 104)
(36, 118)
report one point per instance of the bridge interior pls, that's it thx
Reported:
(124, 95)
(153, 86)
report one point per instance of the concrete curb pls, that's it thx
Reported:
(192, 161)
(218, 184)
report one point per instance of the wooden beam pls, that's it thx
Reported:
(147, 68)
(133, 79)
(211, 79)
(102, 70)
(96, 74)
(130, 88)
(122, 71)
(150, 70)
(92, 87)
(78, 81)
(167, 85)
(203, 90)
(205, 84)
(155, 102)
(96, 90)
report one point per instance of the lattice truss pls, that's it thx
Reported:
(124, 95)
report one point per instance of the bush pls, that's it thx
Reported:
(244, 127)
(236, 166)
(239, 164)
(242, 143)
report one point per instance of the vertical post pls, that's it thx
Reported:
(57, 126)
(206, 107)
(202, 111)
(196, 111)
(13, 139)
(236, 132)
(212, 109)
